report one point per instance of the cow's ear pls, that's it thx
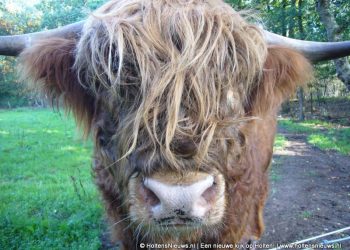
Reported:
(48, 66)
(284, 71)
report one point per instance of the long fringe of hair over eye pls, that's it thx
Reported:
(173, 69)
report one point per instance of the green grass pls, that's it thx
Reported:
(275, 175)
(280, 142)
(324, 135)
(295, 127)
(306, 214)
(47, 198)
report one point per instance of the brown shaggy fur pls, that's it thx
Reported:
(173, 86)
(157, 53)
(48, 64)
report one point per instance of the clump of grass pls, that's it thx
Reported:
(306, 214)
(295, 127)
(324, 135)
(274, 175)
(280, 142)
(333, 140)
(48, 199)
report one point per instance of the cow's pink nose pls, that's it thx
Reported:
(177, 203)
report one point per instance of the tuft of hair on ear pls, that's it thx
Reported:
(48, 67)
(284, 70)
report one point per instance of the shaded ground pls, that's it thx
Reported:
(309, 193)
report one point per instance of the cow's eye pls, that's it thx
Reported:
(135, 174)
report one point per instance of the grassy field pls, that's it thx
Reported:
(47, 199)
(324, 135)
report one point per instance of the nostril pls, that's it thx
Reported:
(149, 196)
(210, 193)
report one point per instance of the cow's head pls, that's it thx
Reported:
(181, 98)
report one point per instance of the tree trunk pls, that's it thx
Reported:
(334, 34)
(268, 6)
(300, 20)
(293, 14)
(301, 116)
(311, 103)
(284, 19)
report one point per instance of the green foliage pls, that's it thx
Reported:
(12, 93)
(17, 17)
(48, 199)
(324, 135)
(296, 18)
(299, 19)
(58, 13)
(342, 17)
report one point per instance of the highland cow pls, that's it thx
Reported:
(181, 100)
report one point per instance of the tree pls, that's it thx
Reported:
(17, 17)
(14, 19)
(300, 92)
(334, 33)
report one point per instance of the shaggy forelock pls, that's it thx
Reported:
(175, 72)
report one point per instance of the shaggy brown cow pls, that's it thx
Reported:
(181, 98)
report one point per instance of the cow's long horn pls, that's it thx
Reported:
(314, 51)
(14, 45)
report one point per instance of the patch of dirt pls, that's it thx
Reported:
(309, 193)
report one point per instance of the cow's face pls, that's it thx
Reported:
(162, 195)
(173, 84)
(181, 98)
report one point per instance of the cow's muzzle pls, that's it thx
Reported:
(168, 199)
